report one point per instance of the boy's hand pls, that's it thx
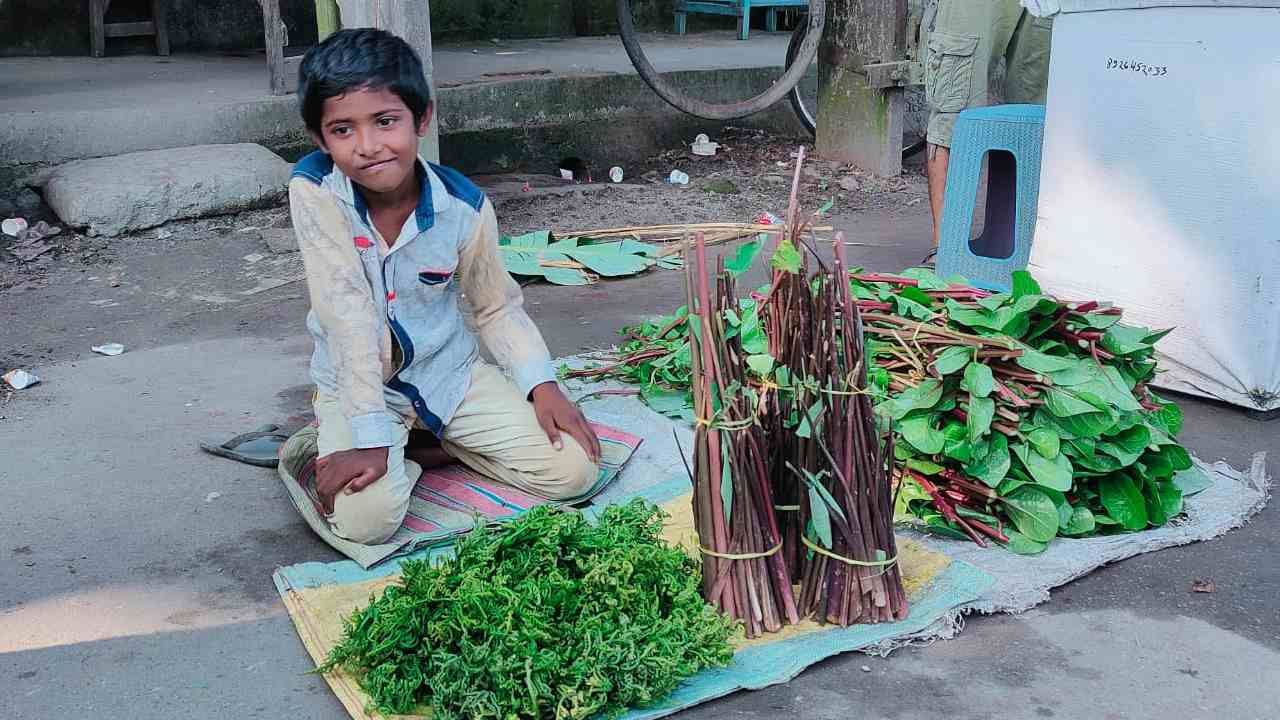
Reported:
(348, 471)
(555, 414)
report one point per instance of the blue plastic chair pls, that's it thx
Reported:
(1010, 138)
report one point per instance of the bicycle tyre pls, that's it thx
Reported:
(722, 111)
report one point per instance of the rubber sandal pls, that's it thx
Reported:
(259, 447)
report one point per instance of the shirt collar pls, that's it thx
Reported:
(424, 215)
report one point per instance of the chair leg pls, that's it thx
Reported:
(681, 22)
(744, 23)
(97, 31)
(771, 20)
(158, 11)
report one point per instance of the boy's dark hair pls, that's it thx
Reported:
(360, 58)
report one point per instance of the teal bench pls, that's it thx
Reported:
(740, 9)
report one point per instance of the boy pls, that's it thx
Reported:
(392, 247)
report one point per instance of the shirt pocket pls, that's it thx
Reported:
(948, 76)
(436, 278)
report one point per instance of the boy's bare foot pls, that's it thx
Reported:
(424, 449)
(428, 457)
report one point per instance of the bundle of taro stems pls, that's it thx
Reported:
(761, 484)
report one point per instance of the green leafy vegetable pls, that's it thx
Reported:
(548, 616)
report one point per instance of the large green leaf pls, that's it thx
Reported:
(1126, 339)
(815, 412)
(819, 518)
(1084, 425)
(1099, 321)
(1192, 481)
(1020, 544)
(952, 359)
(956, 443)
(1170, 497)
(921, 397)
(751, 334)
(1168, 418)
(1032, 512)
(537, 239)
(994, 466)
(921, 434)
(786, 257)
(1044, 441)
(1055, 473)
(907, 307)
(1065, 403)
(1123, 501)
(978, 379)
(1043, 363)
(609, 259)
(1127, 446)
(1081, 523)
(760, 364)
(981, 412)
(1023, 284)
(743, 258)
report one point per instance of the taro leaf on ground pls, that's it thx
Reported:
(536, 255)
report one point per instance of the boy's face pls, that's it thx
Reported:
(371, 136)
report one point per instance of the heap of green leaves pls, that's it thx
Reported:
(548, 616)
(1025, 417)
(654, 354)
(1020, 414)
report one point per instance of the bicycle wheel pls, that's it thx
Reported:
(684, 102)
(802, 105)
(796, 97)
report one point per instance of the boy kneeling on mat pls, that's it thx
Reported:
(393, 248)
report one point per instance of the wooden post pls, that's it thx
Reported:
(411, 20)
(858, 124)
(274, 33)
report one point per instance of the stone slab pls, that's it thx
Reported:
(122, 193)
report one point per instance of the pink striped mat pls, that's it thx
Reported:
(448, 501)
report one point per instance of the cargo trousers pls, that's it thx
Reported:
(965, 46)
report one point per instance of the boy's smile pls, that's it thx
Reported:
(371, 136)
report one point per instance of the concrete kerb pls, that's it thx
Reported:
(612, 117)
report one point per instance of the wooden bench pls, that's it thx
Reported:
(100, 30)
(740, 9)
(280, 70)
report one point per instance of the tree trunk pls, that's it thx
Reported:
(857, 124)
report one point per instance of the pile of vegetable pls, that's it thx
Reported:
(1022, 417)
(1018, 417)
(550, 616)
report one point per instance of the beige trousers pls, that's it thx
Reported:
(494, 432)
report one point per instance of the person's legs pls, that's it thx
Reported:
(936, 174)
(496, 433)
(1027, 61)
(372, 515)
(966, 40)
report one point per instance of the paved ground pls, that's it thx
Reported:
(135, 571)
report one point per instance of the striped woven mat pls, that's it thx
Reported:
(448, 502)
